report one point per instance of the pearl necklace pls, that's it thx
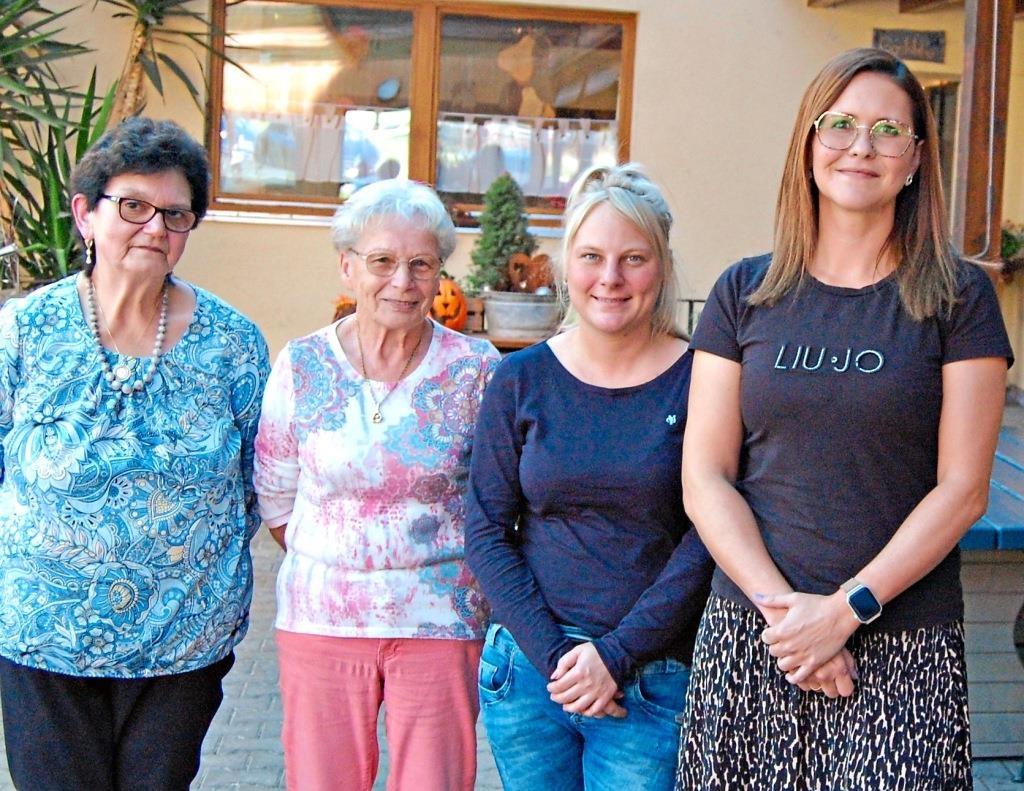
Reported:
(118, 376)
(377, 416)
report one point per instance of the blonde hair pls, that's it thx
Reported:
(925, 259)
(631, 193)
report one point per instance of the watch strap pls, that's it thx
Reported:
(851, 584)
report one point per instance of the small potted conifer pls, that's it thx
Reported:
(515, 285)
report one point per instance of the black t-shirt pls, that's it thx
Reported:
(840, 397)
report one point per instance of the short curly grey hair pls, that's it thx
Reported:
(392, 199)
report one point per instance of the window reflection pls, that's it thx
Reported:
(535, 98)
(324, 100)
(321, 107)
(544, 157)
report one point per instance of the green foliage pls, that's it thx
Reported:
(44, 127)
(35, 181)
(1012, 246)
(503, 232)
(28, 50)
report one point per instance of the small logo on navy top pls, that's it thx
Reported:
(809, 358)
(671, 420)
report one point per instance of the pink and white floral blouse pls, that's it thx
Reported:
(374, 512)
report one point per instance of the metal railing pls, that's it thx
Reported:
(10, 272)
(691, 309)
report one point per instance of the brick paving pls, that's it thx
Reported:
(242, 751)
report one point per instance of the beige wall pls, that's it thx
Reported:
(717, 86)
(1012, 294)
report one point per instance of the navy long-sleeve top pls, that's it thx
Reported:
(575, 514)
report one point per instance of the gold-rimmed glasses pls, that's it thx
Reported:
(384, 263)
(838, 131)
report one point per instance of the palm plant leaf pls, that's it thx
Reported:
(28, 49)
(170, 23)
(148, 61)
(36, 180)
(176, 69)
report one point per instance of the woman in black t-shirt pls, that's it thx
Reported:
(844, 409)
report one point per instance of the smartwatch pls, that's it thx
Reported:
(862, 601)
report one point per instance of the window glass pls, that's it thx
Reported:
(535, 98)
(316, 99)
(943, 98)
(318, 104)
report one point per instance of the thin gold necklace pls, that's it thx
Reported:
(377, 416)
(110, 329)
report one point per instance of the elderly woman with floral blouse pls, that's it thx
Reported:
(362, 461)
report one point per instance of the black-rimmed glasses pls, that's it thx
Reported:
(838, 131)
(139, 212)
(384, 263)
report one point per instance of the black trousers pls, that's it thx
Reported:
(68, 733)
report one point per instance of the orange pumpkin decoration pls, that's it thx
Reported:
(343, 306)
(449, 306)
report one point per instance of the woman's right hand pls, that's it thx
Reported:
(581, 684)
(812, 630)
(835, 678)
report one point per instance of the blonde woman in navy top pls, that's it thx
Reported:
(575, 526)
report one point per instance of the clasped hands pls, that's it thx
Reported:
(581, 684)
(807, 636)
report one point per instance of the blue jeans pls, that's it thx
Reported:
(539, 747)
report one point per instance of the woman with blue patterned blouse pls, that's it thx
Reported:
(361, 466)
(129, 402)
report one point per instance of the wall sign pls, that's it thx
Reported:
(928, 45)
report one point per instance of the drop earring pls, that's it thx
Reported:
(88, 255)
(909, 181)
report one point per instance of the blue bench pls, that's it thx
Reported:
(1002, 526)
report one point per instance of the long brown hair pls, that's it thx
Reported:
(919, 242)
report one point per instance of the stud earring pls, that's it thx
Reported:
(910, 180)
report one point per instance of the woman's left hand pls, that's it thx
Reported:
(582, 684)
(813, 630)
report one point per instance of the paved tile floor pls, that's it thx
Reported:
(243, 753)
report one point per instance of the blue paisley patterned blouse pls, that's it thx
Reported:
(125, 525)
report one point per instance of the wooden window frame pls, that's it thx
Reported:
(427, 18)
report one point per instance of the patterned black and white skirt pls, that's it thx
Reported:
(904, 729)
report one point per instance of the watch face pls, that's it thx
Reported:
(864, 604)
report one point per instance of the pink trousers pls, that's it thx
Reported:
(332, 689)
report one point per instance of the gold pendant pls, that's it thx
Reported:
(377, 417)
